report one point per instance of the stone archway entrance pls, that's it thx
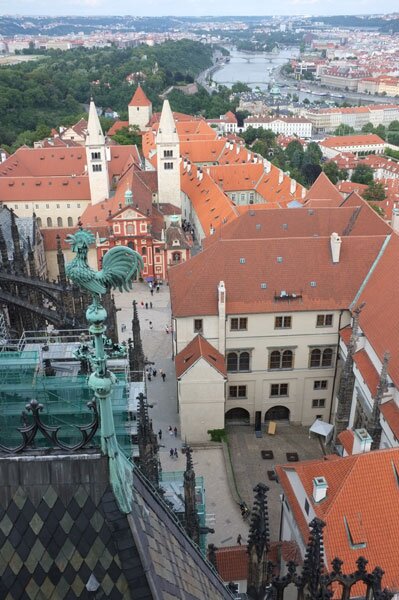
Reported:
(278, 413)
(237, 416)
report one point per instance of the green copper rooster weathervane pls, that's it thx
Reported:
(119, 267)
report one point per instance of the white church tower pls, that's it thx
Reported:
(168, 158)
(140, 110)
(97, 157)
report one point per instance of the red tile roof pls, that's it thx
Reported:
(390, 412)
(341, 141)
(198, 348)
(115, 127)
(139, 98)
(246, 264)
(379, 319)
(346, 334)
(367, 370)
(259, 222)
(232, 561)
(323, 189)
(346, 438)
(362, 497)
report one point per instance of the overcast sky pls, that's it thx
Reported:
(195, 7)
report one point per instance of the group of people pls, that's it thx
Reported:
(152, 286)
(152, 372)
(187, 227)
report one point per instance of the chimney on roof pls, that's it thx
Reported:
(362, 441)
(237, 149)
(280, 176)
(335, 243)
(266, 166)
(222, 317)
(255, 158)
(395, 219)
(188, 167)
(248, 156)
(231, 145)
(293, 186)
(185, 163)
(227, 144)
(320, 487)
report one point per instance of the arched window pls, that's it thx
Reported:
(59, 221)
(274, 362)
(287, 359)
(232, 361)
(326, 360)
(315, 358)
(70, 222)
(144, 250)
(244, 361)
(281, 359)
(49, 222)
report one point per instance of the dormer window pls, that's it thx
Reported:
(175, 242)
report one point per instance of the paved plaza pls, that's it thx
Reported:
(245, 448)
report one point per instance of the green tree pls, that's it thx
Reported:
(368, 128)
(344, 129)
(332, 171)
(394, 126)
(362, 174)
(375, 192)
(239, 87)
(128, 135)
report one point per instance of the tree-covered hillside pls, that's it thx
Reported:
(38, 95)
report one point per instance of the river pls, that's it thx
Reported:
(254, 69)
(260, 69)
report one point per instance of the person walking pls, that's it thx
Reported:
(149, 376)
(163, 375)
(171, 453)
(151, 292)
(146, 304)
(150, 324)
(176, 453)
(170, 430)
(239, 538)
(175, 431)
(160, 434)
(150, 304)
(154, 372)
(167, 328)
(157, 288)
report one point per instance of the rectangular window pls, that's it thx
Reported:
(237, 391)
(324, 320)
(197, 325)
(168, 153)
(168, 166)
(279, 389)
(238, 323)
(96, 156)
(318, 402)
(320, 384)
(282, 322)
(97, 168)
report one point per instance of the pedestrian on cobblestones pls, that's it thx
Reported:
(167, 328)
(146, 304)
(149, 376)
(239, 538)
(152, 292)
(160, 434)
(171, 453)
(170, 430)
(175, 431)
(163, 375)
(150, 324)
(157, 288)
(150, 304)
(154, 372)
(176, 453)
